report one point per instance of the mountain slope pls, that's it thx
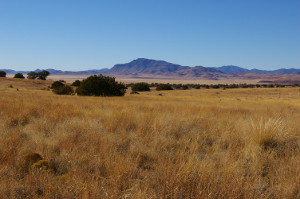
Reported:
(145, 66)
(156, 68)
(231, 69)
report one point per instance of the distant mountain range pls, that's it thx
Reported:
(152, 68)
(60, 72)
(237, 69)
(149, 68)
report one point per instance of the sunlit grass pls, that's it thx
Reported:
(235, 143)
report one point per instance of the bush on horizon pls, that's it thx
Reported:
(141, 86)
(32, 75)
(164, 87)
(42, 75)
(2, 74)
(19, 75)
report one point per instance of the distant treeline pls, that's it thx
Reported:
(220, 86)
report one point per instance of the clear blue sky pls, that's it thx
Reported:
(91, 34)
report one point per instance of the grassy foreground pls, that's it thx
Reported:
(239, 143)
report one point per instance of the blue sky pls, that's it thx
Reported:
(92, 34)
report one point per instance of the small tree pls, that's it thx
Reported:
(76, 83)
(60, 88)
(19, 75)
(57, 84)
(43, 75)
(142, 86)
(164, 87)
(100, 85)
(32, 75)
(2, 74)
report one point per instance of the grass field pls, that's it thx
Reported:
(214, 143)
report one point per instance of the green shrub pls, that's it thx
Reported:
(57, 84)
(60, 88)
(38, 75)
(19, 75)
(2, 74)
(43, 75)
(164, 87)
(100, 85)
(32, 75)
(64, 90)
(142, 86)
(76, 83)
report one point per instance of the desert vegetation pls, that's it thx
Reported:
(42, 75)
(140, 86)
(76, 83)
(100, 85)
(2, 74)
(19, 76)
(164, 87)
(220, 86)
(61, 88)
(233, 143)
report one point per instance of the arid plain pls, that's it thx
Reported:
(205, 143)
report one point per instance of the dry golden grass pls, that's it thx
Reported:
(238, 143)
(23, 84)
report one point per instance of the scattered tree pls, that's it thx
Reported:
(142, 86)
(2, 74)
(38, 75)
(32, 75)
(164, 87)
(43, 75)
(19, 75)
(100, 85)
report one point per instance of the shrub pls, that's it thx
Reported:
(76, 83)
(19, 75)
(64, 90)
(39, 75)
(43, 75)
(57, 84)
(164, 87)
(184, 87)
(32, 75)
(2, 74)
(142, 86)
(100, 85)
(60, 88)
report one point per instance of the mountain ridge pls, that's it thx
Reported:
(234, 69)
(143, 67)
